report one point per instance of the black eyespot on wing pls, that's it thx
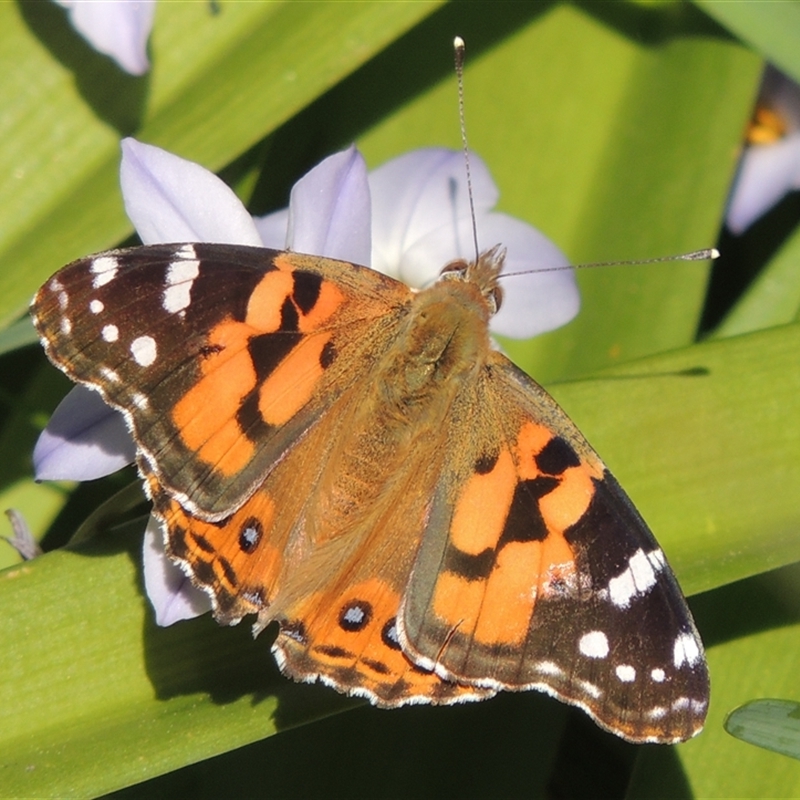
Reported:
(355, 616)
(250, 534)
(328, 355)
(389, 634)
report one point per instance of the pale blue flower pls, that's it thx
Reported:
(116, 28)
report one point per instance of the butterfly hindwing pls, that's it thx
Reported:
(332, 582)
(219, 355)
(536, 571)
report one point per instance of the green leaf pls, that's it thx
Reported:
(774, 296)
(771, 724)
(20, 334)
(773, 29)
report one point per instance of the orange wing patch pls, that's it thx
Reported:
(236, 561)
(506, 549)
(206, 415)
(292, 383)
(351, 642)
(314, 301)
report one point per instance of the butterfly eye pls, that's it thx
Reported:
(496, 296)
(456, 268)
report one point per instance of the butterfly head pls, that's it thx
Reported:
(483, 273)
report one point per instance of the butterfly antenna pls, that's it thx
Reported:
(459, 48)
(696, 255)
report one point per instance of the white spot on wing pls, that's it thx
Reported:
(626, 673)
(143, 350)
(140, 401)
(686, 650)
(104, 269)
(96, 306)
(63, 300)
(109, 374)
(180, 278)
(187, 251)
(658, 675)
(110, 333)
(250, 535)
(589, 688)
(637, 578)
(594, 644)
(66, 326)
(549, 668)
(658, 712)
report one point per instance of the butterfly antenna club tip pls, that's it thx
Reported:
(459, 50)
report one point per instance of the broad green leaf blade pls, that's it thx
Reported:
(92, 691)
(20, 334)
(771, 724)
(772, 29)
(774, 296)
(219, 83)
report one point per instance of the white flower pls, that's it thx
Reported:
(116, 28)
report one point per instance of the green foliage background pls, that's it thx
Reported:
(614, 127)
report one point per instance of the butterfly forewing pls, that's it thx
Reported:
(536, 571)
(219, 355)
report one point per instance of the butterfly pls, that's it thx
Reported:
(332, 451)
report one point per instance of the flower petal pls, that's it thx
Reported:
(84, 439)
(116, 28)
(170, 199)
(766, 174)
(171, 593)
(421, 192)
(272, 229)
(533, 303)
(329, 210)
